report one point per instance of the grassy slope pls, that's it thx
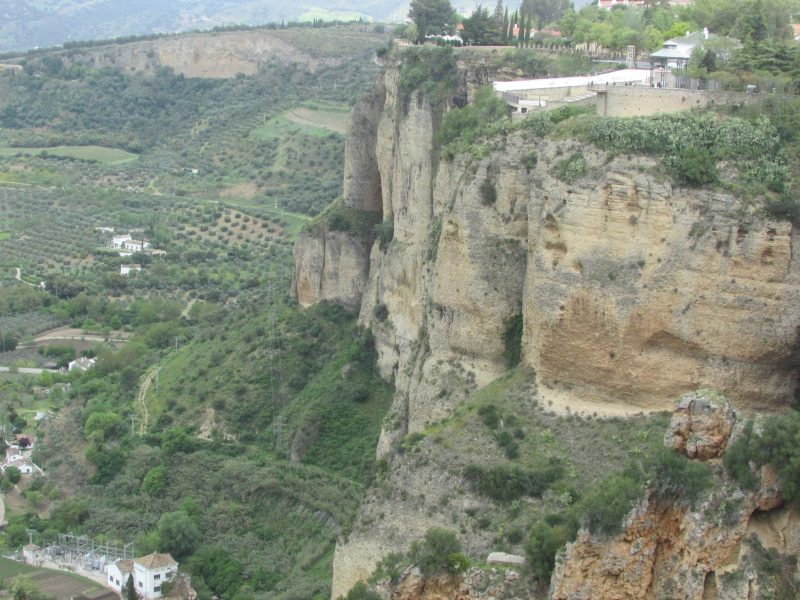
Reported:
(279, 479)
(589, 449)
(101, 154)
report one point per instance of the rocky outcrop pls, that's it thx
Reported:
(632, 291)
(330, 265)
(210, 55)
(701, 425)
(667, 549)
(473, 585)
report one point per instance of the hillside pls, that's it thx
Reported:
(204, 365)
(29, 24)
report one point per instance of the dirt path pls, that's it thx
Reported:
(141, 398)
(185, 311)
(564, 403)
(2, 510)
(18, 277)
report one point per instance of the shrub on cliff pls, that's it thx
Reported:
(675, 477)
(512, 340)
(777, 444)
(694, 166)
(439, 552)
(360, 591)
(543, 545)
(507, 483)
(462, 127)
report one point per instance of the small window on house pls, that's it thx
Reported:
(141, 584)
(157, 588)
(157, 576)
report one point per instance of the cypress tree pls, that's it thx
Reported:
(505, 26)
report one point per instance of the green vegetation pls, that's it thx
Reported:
(361, 224)
(692, 144)
(488, 192)
(775, 443)
(512, 340)
(432, 70)
(384, 232)
(439, 552)
(695, 166)
(274, 136)
(110, 156)
(571, 168)
(506, 483)
(462, 127)
(254, 423)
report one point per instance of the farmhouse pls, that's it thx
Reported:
(126, 269)
(126, 242)
(148, 572)
(82, 363)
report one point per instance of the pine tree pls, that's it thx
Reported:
(498, 10)
(130, 591)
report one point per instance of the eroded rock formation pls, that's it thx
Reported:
(632, 291)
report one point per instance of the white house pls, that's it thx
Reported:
(136, 245)
(151, 571)
(118, 241)
(82, 363)
(148, 572)
(126, 242)
(31, 553)
(126, 269)
(118, 573)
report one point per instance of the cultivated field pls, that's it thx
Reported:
(52, 583)
(101, 154)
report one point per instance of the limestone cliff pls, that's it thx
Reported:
(632, 290)
(209, 55)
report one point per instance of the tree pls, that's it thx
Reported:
(130, 591)
(8, 342)
(431, 16)
(13, 474)
(155, 481)
(177, 534)
(544, 11)
(480, 29)
(541, 549)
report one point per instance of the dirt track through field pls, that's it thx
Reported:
(141, 398)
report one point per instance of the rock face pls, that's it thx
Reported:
(701, 426)
(330, 265)
(632, 291)
(666, 550)
(211, 55)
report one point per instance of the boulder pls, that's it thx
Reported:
(701, 425)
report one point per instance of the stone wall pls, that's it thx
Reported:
(638, 101)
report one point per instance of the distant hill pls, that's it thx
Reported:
(25, 24)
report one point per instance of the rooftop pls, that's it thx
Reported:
(156, 561)
(621, 76)
(124, 566)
